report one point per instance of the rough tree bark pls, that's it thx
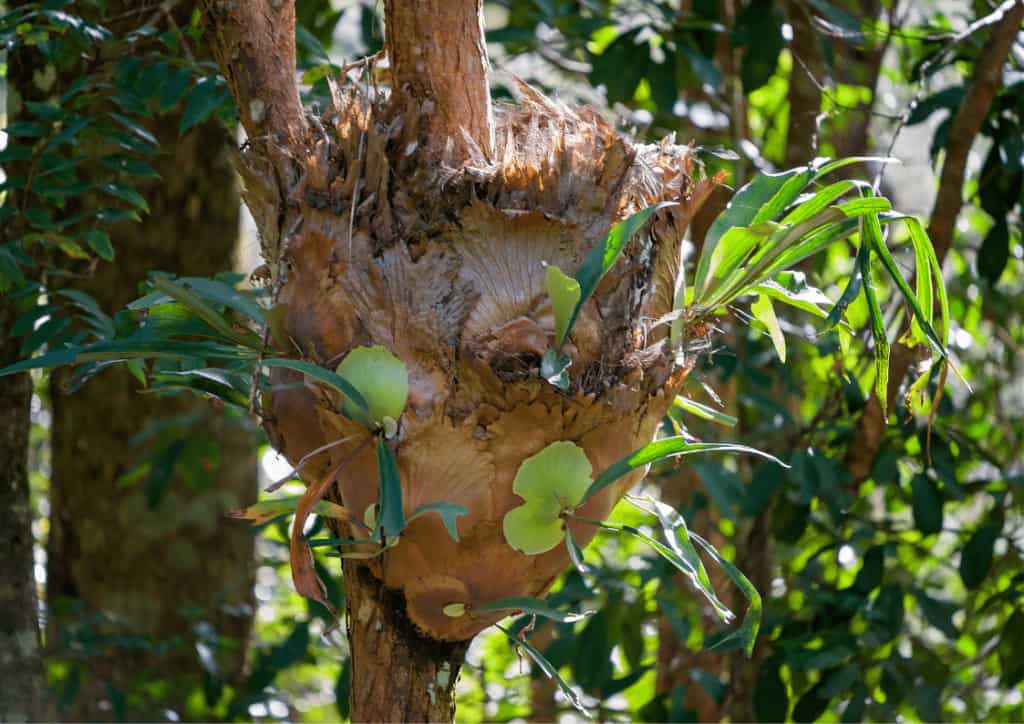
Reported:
(422, 222)
(22, 686)
(21, 672)
(153, 571)
(103, 554)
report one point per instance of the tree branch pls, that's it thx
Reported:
(437, 53)
(967, 122)
(253, 41)
(804, 90)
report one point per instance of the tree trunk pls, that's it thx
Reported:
(22, 685)
(153, 558)
(21, 672)
(406, 227)
(398, 674)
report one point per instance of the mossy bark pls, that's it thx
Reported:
(127, 564)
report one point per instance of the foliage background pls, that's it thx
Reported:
(892, 574)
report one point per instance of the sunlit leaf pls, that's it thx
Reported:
(535, 606)
(662, 450)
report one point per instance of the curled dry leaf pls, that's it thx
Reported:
(304, 576)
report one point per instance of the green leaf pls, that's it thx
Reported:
(760, 200)
(818, 202)
(926, 502)
(554, 368)
(662, 450)
(174, 88)
(878, 332)
(392, 513)
(923, 247)
(673, 527)
(449, 513)
(101, 324)
(938, 613)
(99, 242)
(330, 379)
(770, 698)
(205, 98)
(873, 233)
(603, 255)
(704, 412)
(852, 288)
(381, 378)
(220, 292)
(994, 252)
(764, 312)
(747, 632)
(564, 292)
(976, 556)
(549, 670)
(208, 382)
(534, 606)
(550, 482)
(204, 311)
(831, 166)
(124, 193)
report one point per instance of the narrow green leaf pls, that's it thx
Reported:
(564, 292)
(100, 322)
(662, 450)
(735, 246)
(124, 193)
(205, 385)
(747, 632)
(99, 242)
(603, 256)
(206, 97)
(926, 503)
(204, 311)
(549, 670)
(704, 412)
(576, 554)
(329, 378)
(449, 513)
(762, 198)
(923, 248)
(49, 360)
(222, 293)
(676, 532)
(764, 312)
(851, 291)
(535, 606)
(818, 202)
(849, 161)
(392, 513)
(878, 332)
(873, 233)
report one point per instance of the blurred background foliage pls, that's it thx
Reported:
(889, 556)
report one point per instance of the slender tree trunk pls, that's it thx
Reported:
(22, 685)
(21, 672)
(400, 675)
(135, 555)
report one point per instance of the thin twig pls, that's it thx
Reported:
(305, 459)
